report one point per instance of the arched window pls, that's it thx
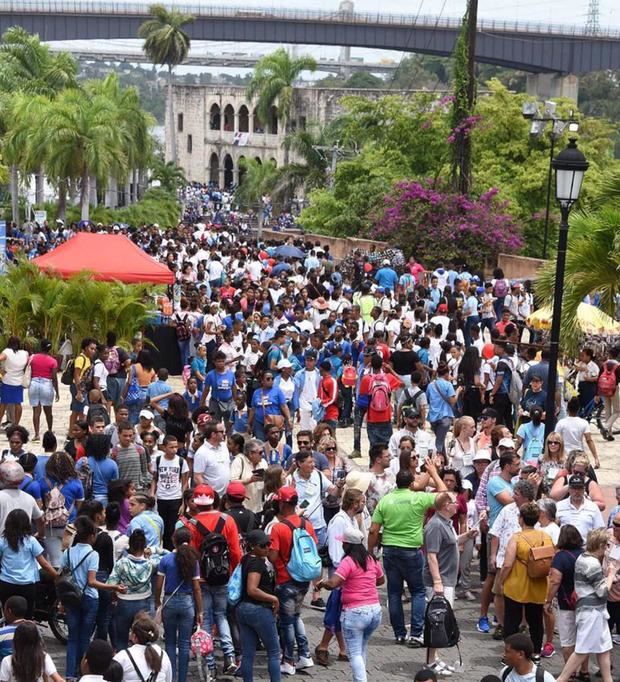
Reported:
(228, 171)
(273, 120)
(229, 118)
(214, 169)
(244, 119)
(215, 119)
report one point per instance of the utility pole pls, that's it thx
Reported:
(593, 25)
(336, 152)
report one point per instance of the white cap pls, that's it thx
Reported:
(467, 485)
(386, 262)
(482, 455)
(147, 414)
(506, 443)
(282, 364)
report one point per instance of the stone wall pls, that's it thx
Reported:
(339, 247)
(519, 267)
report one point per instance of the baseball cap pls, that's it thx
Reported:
(203, 418)
(506, 443)
(282, 364)
(204, 495)
(386, 261)
(352, 536)
(310, 355)
(410, 412)
(489, 412)
(442, 308)
(257, 537)
(236, 490)
(576, 481)
(482, 455)
(286, 494)
(467, 485)
(147, 414)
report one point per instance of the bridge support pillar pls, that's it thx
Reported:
(550, 85)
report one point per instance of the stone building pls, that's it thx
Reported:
(216, 127)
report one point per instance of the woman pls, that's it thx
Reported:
(12, 390)
(562, 587)
(463, 447)
(522, 593)
(144, 659)
(121, 491)
(74, 444)
(258, 608)
(284, 381)
(139, 375)
(454, 484)
(552, 459)
(83, 562)
(470, 380)
(134, 571)
(43, 386)
(18, 437)
(501, 288)
(20, 557)
(358, 574)
(178, 580)
(591, 589)
(199, 366)
(142, 516)
(102, 468)
(268, 407)
(339, 467)
(176, 418)
(578, 463)
(60, 477)
(29, 662)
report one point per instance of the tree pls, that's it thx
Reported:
(168, 174)
(272, 81)
(258, 179)
(364, 79)
(166, 43)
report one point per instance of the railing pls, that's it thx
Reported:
(265, 13)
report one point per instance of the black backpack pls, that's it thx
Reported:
(441, 630)
(68, 591)
(540, 674)
(214, 554)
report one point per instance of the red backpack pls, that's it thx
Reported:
(379, 393)
(349, 376)
(607, 383)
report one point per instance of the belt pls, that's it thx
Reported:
(406, 549)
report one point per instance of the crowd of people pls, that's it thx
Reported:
(217, 511)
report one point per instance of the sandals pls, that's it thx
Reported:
(584, 677)
(321, 656)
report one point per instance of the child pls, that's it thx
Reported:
(29, 660)
(97, 407)
(192, 395)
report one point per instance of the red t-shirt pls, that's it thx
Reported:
(378, 416)
(328, 393)
(209, 520)
(43, 366)
(282, 543)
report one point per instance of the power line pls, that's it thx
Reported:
(593, 25)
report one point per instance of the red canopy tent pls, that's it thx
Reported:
(108, 257)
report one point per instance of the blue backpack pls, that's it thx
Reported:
(235, 586)
(304, 564)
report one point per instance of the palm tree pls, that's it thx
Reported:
(168, 174)
(166, 43)
(273, 79)
(258, 179)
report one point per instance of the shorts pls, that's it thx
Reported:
(115, 386)
(41, 392)
(11, 395)
(448, 593)
(77, 406)
(498, 588)
(321, 536)
(566, 627)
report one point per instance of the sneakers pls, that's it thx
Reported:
(548, 650)
(230, 665)
(287, 668)
(304, 662)
(483, 625)
(536, 659)
(400, 639)
(440, 668)
(498, 633)
(468, 596)
(415, 642)
(318, 604)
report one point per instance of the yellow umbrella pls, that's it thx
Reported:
(590, 319)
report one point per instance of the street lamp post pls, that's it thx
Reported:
(570, 166)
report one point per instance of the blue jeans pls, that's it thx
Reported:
(126, 610)
(379, 432)
(403, 565)
(134, 410)
(178, 617)
(258, 622)
(440, 429)
(358, 418)
(184, 351)
(214, 602)
(102, 620)
(469, 323)
(80, 623)
(358, 624)
(292, 629)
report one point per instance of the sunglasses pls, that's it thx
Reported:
(265, 545)
(303, 442)
(329, 449)
(554, 442)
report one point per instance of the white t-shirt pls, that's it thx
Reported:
(169, 472)
(214, 465)
(6, 670)
(215, 269)
(308, 392)
(101, 372)
(14, 366)
(287, 387)
(137, 653)
(572, 430)
(528, 677)
(552, 529)
(311, 494)
(11, 499)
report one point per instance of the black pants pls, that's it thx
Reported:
(26, 591)
(169, 512)
(613, 607)
(503, 406)
(483, 558)
(533, 617)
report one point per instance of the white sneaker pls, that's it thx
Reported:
(440, 669)
(287, 668)
(446, 666)
(304, 662)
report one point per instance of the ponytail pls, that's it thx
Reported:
(186, 556)
(146, 632)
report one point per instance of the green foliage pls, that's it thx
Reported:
(35, 306)
(169, 175)
(258, 179)
(364, 79)
(165, 41)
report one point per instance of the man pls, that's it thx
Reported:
(290, 593)
(82, 373)
(235, 499)
(518, 652)
(248, 467)
(441, 567)
(306, 383)
(532, 436)
(540, 369)
(400, 517)
(383, 480)
(11, 497)
(575, 430)
(361, 401)
(486, 421)
(577, 510)
(212, 459)
(386, 276)
(220, 388)
(499, 397)
(534, 396)
(121, 416)
(424, 442)
(14, 609)
(131, 458)
(441, 400)
(378, 386)
(328, 394)
(215, 598)
(415, 397)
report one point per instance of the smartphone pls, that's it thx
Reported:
(304, 504)
(340, 474)
(259, 473)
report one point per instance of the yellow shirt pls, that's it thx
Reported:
(519, 586)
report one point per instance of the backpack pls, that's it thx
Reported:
(500, 290)
(412, 399)
(379, 393)
(235, 586)
(539, 559)
(56, 513)
(66, 377)
(540, 674)
(85, 477)
(441, 630)
(214, 553)
(304, 563)
(349, 376)
(113, 363)
(516, 388)
(607, 383)
(68, 590)
(181, 328)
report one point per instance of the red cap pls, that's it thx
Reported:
(236, 489)
(286, 494)
(442, 308)
(203, 418)
(204, 495)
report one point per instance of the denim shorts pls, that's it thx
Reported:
(41, 392)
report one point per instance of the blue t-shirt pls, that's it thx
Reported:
(193, 401)
(496, 485)
(438, 406)
(199, 365)
(72, 490)
(31, 486)
(533, 440)
(39, 470)
(386, 278)
(268, 402)
(156, 388)
(504, 369)
(104, 471)
(152, 525)
(221, 384)
(71, 559)
(168, 568)
(6, 640)
(21, 567)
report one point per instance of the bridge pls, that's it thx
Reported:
(536, 48)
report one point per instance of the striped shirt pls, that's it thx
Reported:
(590, 583)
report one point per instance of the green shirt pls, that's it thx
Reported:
(401, 513)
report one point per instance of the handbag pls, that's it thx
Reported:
(160, 609)
(276, 419)
(27, 378)
(134, 393)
